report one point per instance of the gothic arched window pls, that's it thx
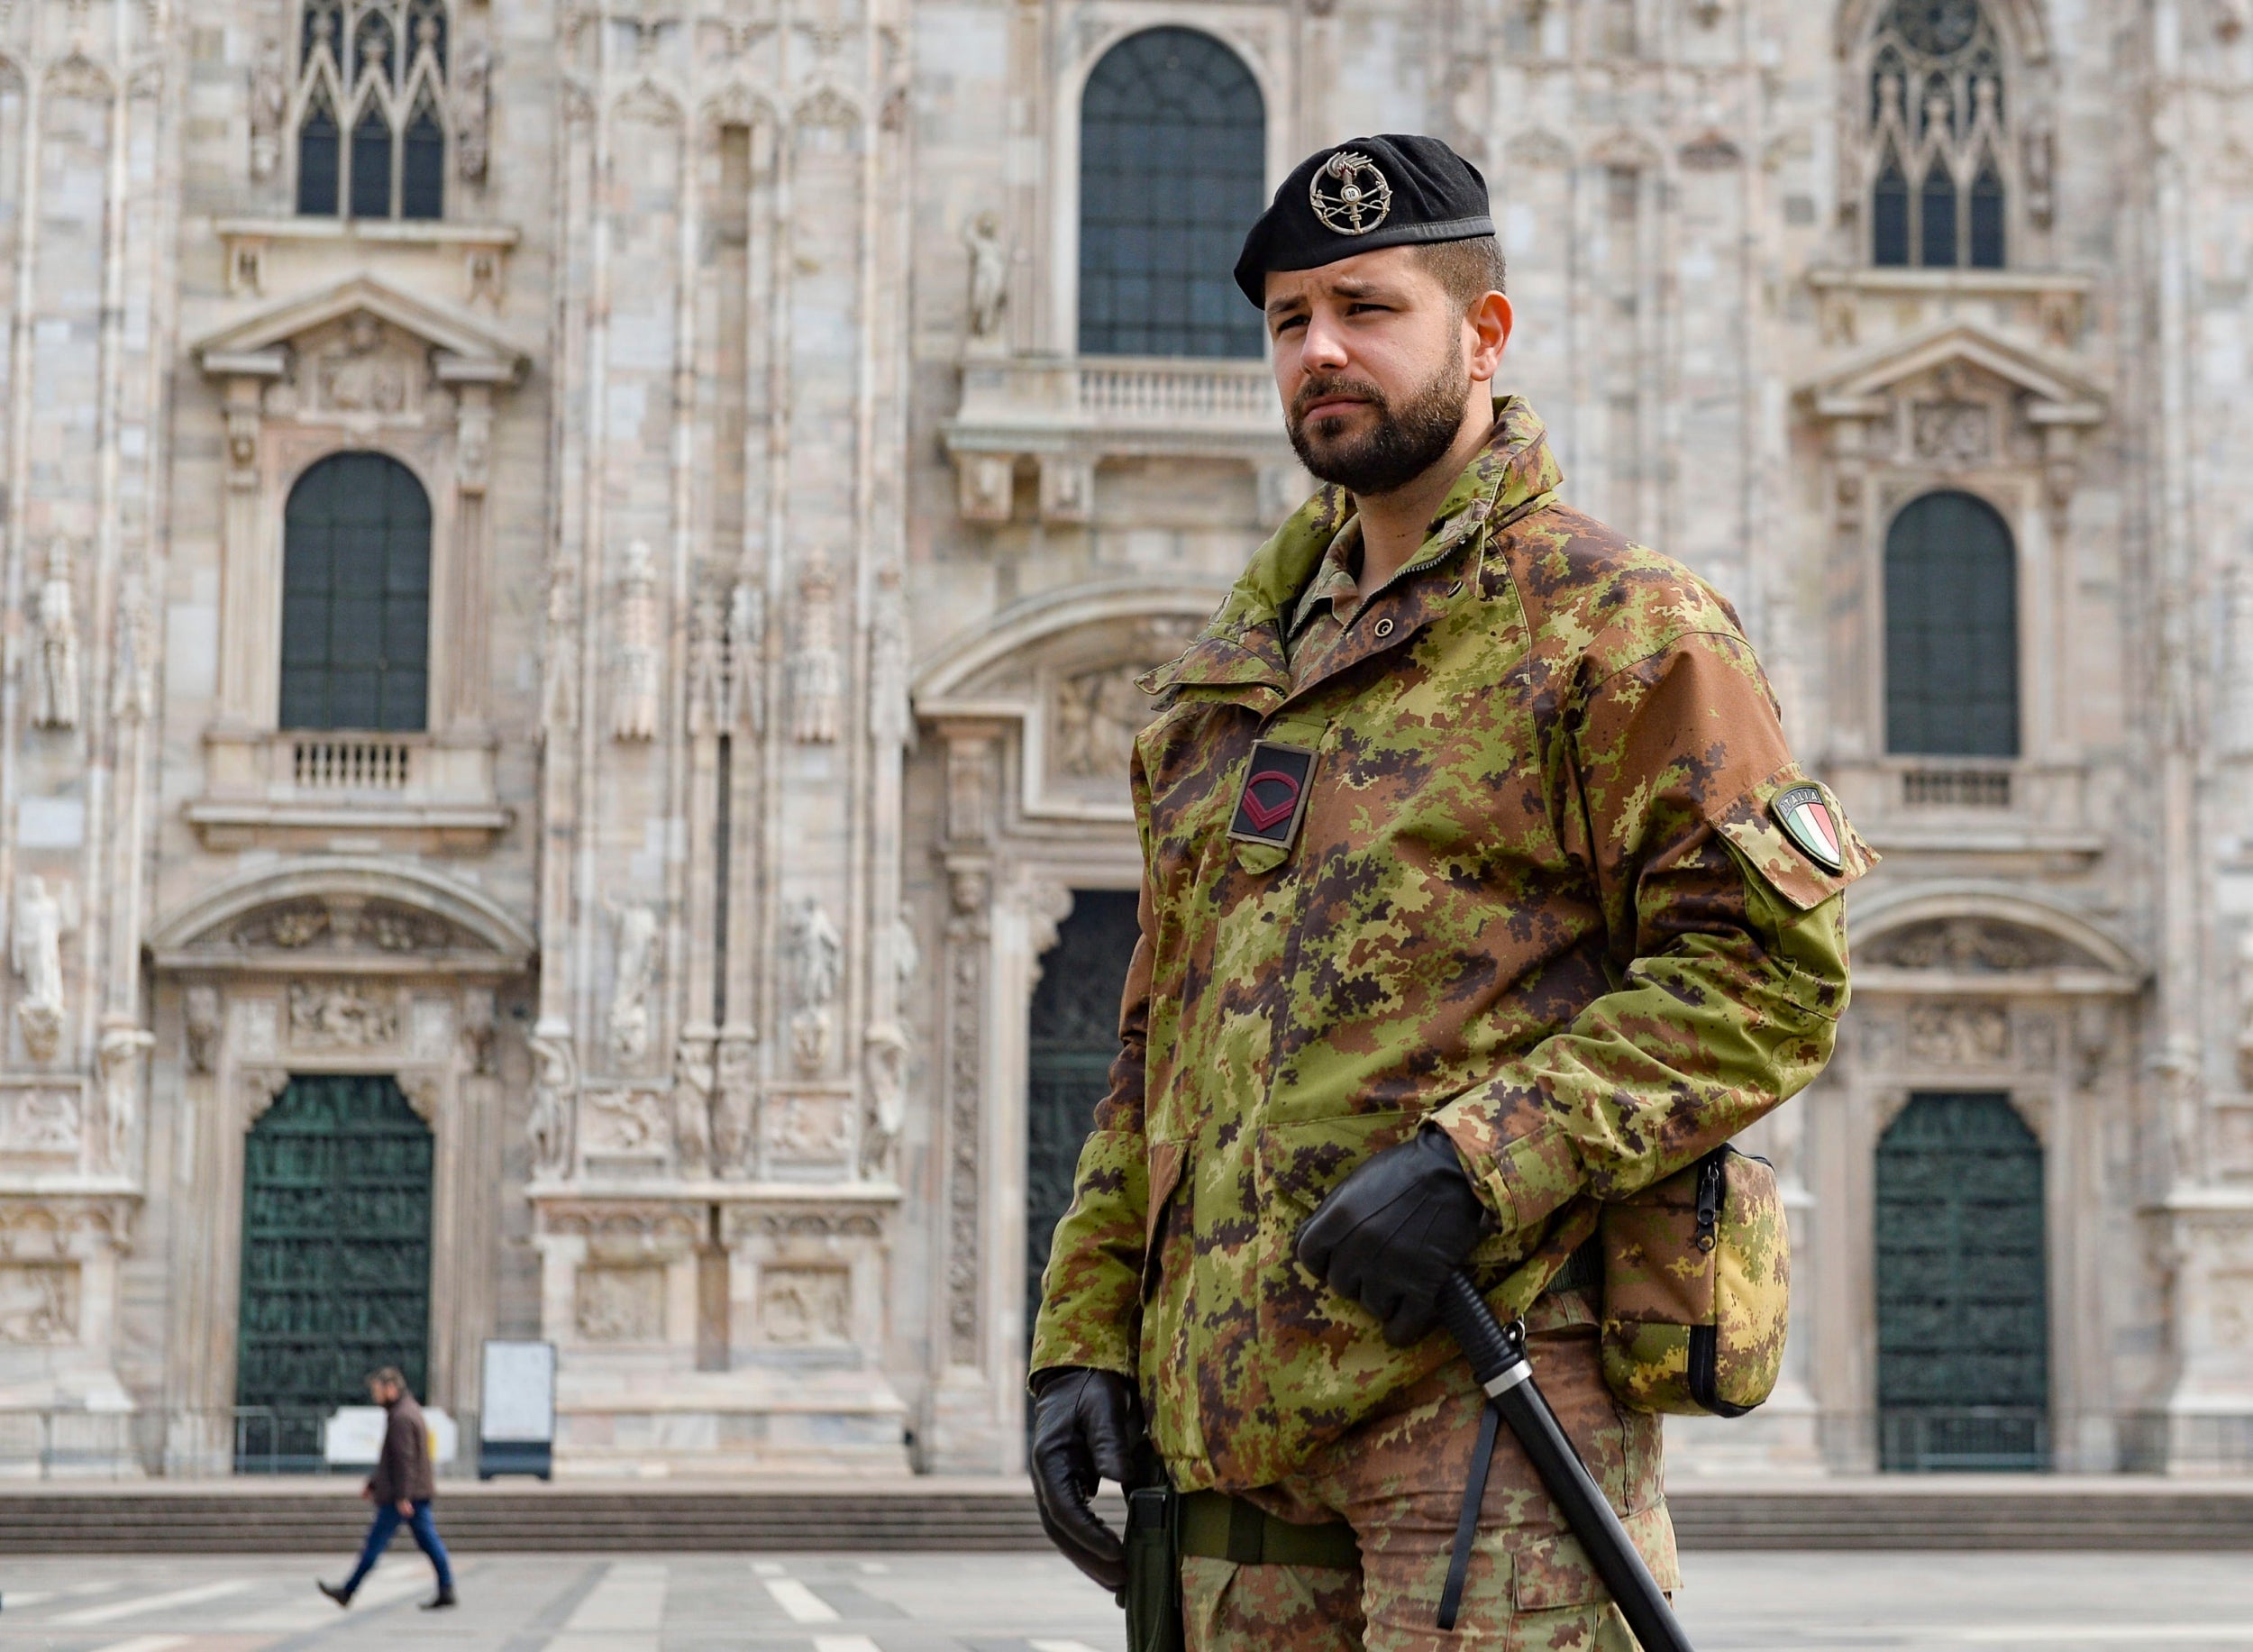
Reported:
(1172, 171)
(1937, 150)
(371, 79)
(356, 597)
(1951, 630)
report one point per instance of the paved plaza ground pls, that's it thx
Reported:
(928, 1602)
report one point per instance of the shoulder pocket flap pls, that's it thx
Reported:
(1765, 826)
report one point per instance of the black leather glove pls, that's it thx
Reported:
(1390, 1234)
(1087, 1424)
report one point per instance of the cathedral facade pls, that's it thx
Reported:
(573, 575)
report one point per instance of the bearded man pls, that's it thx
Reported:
(1478, 889)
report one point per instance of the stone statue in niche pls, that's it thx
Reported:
(816, 680)
(692, 1107)
(633, 710)
(55, 667)
(738, 1081)
(269, 106)
(637, 972)
(816, 959)
(554, 1099)
(132, 677)
(472, 110)
(558, 698)
(42, 918)
(746, 664)
(119, 1056)
(886, 1103)
(200, 1019)
(989, 276)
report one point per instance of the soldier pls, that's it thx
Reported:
(1480, 887)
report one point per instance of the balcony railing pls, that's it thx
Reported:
(1955, 787)
(351, 765)
(1177, 393)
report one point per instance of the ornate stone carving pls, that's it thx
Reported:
(200, 1021)
(554, 1099)
(424, 1089)
(1097, 714)
(342, 1014)
(1971, 944)
(39, 1302)
(692, 1106)
(629, 1019)
(807, 1127)
(472, 110)
(708, 666)
(733, 1106)
(359, 369)
(133, 670)
(39, 1121)
(42, 918)
(559, 696)
(119, 1056)
(627, 1234)
(1952, 434)
(290, 925)
(966, 1000)
(640, 657)
(624, 1121)
(805, 1306)
(55, 641)
(746, 658)
(402, 929)
(620, 1304)
(261, 1087)
(1961, 1033)
(989, 276)
(816, 960)
(816, 680)
(823, 1226)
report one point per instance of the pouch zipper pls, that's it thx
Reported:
(1712, 1176)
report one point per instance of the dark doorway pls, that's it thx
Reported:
(337, 1200)
(1963, 1324)
(1075, 1035)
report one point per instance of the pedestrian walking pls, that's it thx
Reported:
(401, 1488)
(1481, 892)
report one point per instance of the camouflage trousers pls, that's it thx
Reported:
(1398, 1479)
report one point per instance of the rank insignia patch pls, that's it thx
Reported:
(1805, 815)
(1274, 795)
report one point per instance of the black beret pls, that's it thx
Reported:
(1392, 190)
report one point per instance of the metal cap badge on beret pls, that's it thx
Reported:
(1392, 190)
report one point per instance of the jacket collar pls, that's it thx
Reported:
(1241, 650)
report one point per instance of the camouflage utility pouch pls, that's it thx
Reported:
(1697, 1289)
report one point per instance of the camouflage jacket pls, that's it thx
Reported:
(1537, 896)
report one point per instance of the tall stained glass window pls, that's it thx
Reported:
(1938, 138)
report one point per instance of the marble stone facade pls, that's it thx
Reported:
(787, 567)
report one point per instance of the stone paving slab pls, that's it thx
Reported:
(935, 1602)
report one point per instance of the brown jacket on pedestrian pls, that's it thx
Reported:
(403, 1471)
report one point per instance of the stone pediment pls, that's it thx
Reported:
(339, 914)
(461, 348)
(1862, 386)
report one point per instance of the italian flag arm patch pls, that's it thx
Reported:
(1804, 814)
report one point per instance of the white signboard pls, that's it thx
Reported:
(353, 1435)
(519, 1399)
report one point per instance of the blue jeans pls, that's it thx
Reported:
(379, 1534)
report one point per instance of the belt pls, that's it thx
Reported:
(1216, 1526)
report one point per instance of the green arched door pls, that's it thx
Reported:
(1963, 1323)
(1075, 1035)
(336, 1197)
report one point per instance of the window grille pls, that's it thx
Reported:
(371, 86)
(1173, 169)
(1938, 138)
(355, 610)
(1951, 630)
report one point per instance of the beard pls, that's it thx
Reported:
(1406, 442)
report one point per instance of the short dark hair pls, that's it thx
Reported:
(388, 1376)
(1468, 269)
